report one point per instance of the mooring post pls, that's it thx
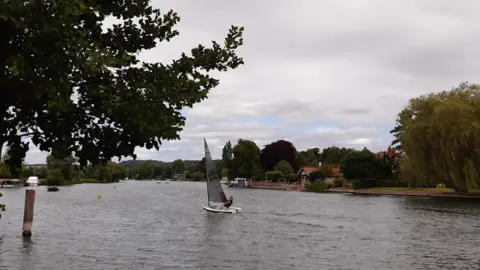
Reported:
(28, 213)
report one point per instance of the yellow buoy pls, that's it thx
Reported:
(99, 196)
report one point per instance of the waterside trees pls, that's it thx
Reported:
(439, 134)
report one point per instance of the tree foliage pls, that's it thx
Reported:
(246, 160)
(75, 88)
(197, 176)
(362, 165)
(227, 154)
(309, 157)
(277, 151)
(65, 165)
(145, 170)
(55, 177)
(178, 166)
(440, 138)
(273, 175)
(284, 167)
(334, 155)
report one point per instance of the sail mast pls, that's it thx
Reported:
(206, 171)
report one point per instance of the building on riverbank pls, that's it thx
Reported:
(305, 172)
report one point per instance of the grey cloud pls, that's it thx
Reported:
(291, 107)
(356, 111)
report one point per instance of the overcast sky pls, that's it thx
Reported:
(318, 73)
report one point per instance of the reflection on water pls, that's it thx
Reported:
(144, 225)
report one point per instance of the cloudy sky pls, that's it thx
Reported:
(318, 72)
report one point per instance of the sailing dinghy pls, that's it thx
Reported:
(215, 191)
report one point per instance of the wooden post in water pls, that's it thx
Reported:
(28, 213)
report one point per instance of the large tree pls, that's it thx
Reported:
(227, 154)
(399, 129)
(74, 86)
(362, 165)
(146, 170)
(246, 160)
(440, 138)
(277, 151)
(178, 166)
(65, 165)
(334, 155)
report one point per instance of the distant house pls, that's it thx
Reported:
(304, 174)
(336, 173)
(390, 153)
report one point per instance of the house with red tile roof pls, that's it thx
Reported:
(304, 173)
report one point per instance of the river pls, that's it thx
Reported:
(145, 225)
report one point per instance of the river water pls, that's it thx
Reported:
(145, 225)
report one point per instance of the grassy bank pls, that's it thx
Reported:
(427, 190)
(404, 191)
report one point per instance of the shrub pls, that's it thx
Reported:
(292, 178)
(356, 184)
(284, 167)
(339, 182)
(317, 186)
(54, 177)
(197, 176)
(274, 175)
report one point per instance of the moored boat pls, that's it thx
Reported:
(52, 188)
(11, 183)
(239, 182)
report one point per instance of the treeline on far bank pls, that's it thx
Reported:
(66, 171)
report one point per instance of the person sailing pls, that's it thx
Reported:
(227, 204)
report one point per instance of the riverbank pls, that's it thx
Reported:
(419, 192)
(43, 182)
(275, 186)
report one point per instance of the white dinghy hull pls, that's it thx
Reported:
(231, 210)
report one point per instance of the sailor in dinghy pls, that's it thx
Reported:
(215, 192)
(227, 204)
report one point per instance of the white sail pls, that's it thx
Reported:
(214, 187)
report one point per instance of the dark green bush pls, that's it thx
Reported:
(274, 175)
(356, 184)
(317, 186)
